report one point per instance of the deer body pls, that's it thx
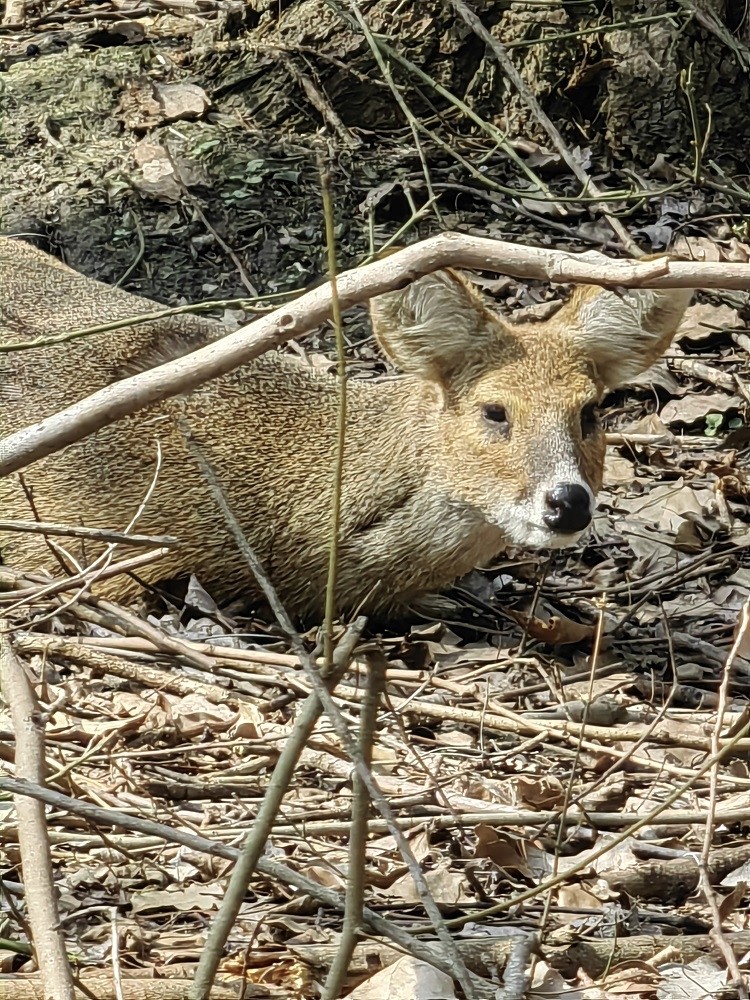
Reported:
(487, 438)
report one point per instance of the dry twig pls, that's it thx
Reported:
(740, 641)
(355, 883)
(95, 534)
(36, 861)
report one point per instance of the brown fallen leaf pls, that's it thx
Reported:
(504, 851)
(697, 406)
(408, 977)
(447, 886)
(558, 630)
(702, 320)
(543, 792)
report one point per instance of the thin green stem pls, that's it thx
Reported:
(338, 465)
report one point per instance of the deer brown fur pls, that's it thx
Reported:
(446, 463)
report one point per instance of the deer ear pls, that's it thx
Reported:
(625, 333)
(434, 327)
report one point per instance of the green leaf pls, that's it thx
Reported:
(713, 424)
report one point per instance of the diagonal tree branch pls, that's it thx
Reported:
(310, 310)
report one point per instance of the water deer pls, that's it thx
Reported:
(487, 437)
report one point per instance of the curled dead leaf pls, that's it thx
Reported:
(558, 630)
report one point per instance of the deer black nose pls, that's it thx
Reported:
(569, 508)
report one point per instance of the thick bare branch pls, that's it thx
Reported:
(33, 839)
(296, 318)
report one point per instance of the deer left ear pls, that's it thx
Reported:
(625, 333)
(436, 327)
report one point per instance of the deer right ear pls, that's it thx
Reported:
(433, 326)
(624, 333)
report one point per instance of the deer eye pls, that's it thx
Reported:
(497, 416)
(589, 420)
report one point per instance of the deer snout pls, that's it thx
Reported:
(569, 508)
